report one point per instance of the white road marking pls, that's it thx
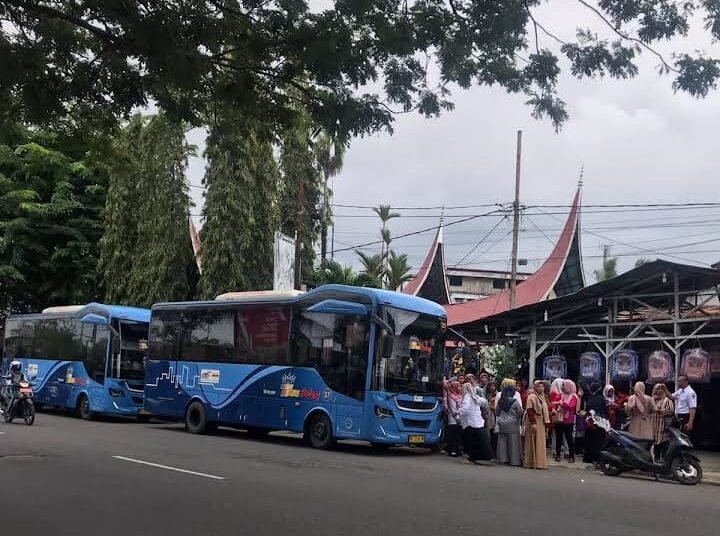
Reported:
(177, 469)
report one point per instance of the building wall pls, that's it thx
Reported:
(468, 285)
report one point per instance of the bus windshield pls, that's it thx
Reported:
(415, 363)
(132, 351)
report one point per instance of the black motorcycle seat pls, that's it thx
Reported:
(638, 440)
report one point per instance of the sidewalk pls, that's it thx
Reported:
(710, 463)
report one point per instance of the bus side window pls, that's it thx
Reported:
(164, 332)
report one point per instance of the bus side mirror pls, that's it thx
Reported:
(92, 318)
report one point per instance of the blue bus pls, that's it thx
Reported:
(86, 358)
(337, 362)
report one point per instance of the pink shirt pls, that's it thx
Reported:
(568, 409)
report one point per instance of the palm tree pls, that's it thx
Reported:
(332, 272)
(398, 271)
(329, 153)
(372, 265)
(385, 214)
(609, 266)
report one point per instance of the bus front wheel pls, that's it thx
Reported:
(196, 419)
(83, 408)
(319, 432)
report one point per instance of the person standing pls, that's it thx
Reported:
(536, 418)
(454, 430)
(509, 413)
(613, 408)
(664, 409)
(594, 436)
(565, 422)
(492, 397)
(685, 404)
(580, 418)
(640, 408)
(471, 410)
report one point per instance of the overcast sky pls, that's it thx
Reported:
(637, 140)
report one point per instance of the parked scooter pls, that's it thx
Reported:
(673, 459)
(21, 406)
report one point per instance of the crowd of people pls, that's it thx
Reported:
(515, 426)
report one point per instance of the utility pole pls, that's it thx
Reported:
(516, 222)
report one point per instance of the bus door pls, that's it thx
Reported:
(342, 364)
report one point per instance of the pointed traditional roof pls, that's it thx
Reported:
(431, 280)
(560, 274)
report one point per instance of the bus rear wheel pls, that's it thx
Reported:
(319, 432)
(196, 418)
(83, 408)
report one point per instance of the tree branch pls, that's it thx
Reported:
(54, 13)
(544, 30)
(629, 37)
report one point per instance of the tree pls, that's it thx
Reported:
(240, 209)
(609, 266)
(146, 252)
(89, 61)
(500, 360)
(398, 271)
(302, 189)
(385, 214)
(641, 261)
(372, 265)
(332, 272)
(329, 154)
(123, 210)
(50, 224)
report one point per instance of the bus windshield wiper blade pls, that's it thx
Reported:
(407, 391)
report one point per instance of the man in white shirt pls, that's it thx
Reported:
(685, 404)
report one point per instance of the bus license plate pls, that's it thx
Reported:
(416, 439)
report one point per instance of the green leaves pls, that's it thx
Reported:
(240, 210)
(146, 255)
(90, 63)
(696, 76)
(49, 228)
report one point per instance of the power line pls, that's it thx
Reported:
(637, 248)
(490, 232)
(420, 231)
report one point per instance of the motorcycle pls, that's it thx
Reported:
(673, 459)
(19, 407)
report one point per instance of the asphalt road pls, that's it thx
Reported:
(64, 476)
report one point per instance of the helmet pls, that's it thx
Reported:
(15, 367)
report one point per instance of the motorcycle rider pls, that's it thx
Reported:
(11, 389)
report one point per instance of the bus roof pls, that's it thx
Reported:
(376, 296)
(121, 312)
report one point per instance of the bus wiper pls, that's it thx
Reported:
(409, 390)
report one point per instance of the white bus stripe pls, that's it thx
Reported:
(177, 469)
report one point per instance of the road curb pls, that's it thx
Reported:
(710, 478)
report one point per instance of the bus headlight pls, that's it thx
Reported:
(115, 392)
(383, 413)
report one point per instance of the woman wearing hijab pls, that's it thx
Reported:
(594, 436)
(640, 408)
(565, 422)
(491, 395)
(454, 430)
(664, 409)
(537, 417)
(471, 410)
(509, 413)
(614, 408)
(583, 398)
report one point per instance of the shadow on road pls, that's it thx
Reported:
(360, 448)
